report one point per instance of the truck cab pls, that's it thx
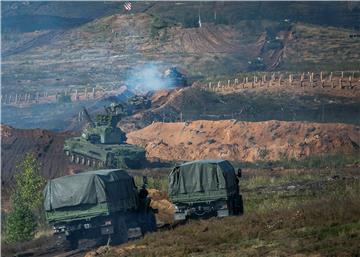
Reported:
(205, 188)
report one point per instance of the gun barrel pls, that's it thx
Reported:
(92, 124)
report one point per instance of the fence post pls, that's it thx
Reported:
(280, 77)
(350, 86)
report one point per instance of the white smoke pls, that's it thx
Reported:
(147, 77)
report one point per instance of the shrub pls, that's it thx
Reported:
(20, 222)
(26, 200)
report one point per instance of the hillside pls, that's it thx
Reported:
(247, 105)
(103, 49)
(47, 147)
(245, 141)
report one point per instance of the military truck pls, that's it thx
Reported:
(103, 145)
(205, 188)
(101, 204)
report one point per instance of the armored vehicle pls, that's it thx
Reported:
(137, 102)
(102, 143)
(205, 188)
(100, 204)
(175, 78)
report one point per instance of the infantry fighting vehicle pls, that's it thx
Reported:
(102, 144)
(205, 188)
(136, 103)
(101, 204)
(175, 78)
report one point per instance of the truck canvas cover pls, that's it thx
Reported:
(202, 177)
(91, 188)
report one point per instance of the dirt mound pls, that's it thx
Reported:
(47, 147)
(160, 201)
(245, 141)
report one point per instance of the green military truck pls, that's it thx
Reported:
(205, 188)
(101, 204)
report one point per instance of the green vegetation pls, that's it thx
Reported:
(323, 161)
(26, 200)
(159, 183)
(301, 209)
(156, 25)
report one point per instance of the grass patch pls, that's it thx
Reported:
(323, 161)
(328, 226)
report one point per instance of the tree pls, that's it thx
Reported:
(26, 200)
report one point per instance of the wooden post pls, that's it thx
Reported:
(331, 75)
(350, 86)
(302, 79)
(342, 74)
(321, 76)
(236, 81)
(86, 94)
(340, 82)
(280, 77)
(228, 83)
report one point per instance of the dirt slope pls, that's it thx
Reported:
(246, 141)
(46, 145)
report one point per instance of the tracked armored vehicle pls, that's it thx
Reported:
(136, 103)
(102, 143)
(175, 77)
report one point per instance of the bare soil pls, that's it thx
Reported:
(245, 141)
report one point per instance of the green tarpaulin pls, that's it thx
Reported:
(201, 177)
(89, 188)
